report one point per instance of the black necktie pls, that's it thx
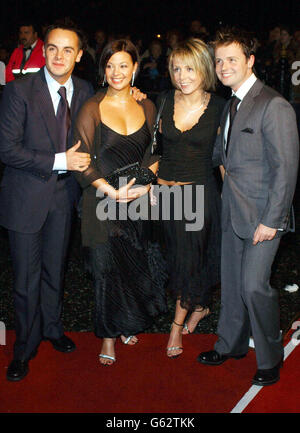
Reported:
(63, 118)
(232, 112)
(25, 57)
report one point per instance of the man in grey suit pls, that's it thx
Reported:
(258, 150)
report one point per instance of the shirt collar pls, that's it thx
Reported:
(55, 85)
(245, 87)
(31, 47)
(34, 44)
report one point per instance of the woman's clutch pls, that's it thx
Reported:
(123, 175)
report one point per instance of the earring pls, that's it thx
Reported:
(132, 79)
(104, 81)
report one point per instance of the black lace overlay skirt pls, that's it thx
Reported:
(129, 277)
(193, 257)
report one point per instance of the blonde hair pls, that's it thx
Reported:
(198, 56)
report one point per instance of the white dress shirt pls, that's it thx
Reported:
(28, 52)
(60, 162)
(240, 93)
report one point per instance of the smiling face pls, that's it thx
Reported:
(185, 76)
(232, 66)
(119, 70)
(61, 52)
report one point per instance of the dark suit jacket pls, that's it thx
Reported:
(28, 143)
(261, 164)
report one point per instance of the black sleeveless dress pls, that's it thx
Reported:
(193, 256)
(128, 268)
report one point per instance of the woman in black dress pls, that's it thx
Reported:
(127, 268)
(189, 125)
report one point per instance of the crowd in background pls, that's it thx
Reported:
(275, 55)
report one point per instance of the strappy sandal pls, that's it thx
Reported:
(107, 357)
(185, 326)
(172, 348)
(128, 339)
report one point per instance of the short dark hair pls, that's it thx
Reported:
(72, 28)
(29, 23)
(115, 47)
(230, 35)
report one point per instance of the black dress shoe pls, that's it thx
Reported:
(267, 376)
(214, 358)
(17, 370)
(62, 344)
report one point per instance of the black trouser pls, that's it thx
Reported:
(38, 264)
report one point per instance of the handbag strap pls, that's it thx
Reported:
(156, 124)
(161, 107)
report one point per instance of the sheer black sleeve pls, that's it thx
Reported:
(85, 129)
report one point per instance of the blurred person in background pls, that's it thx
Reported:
(28, 56)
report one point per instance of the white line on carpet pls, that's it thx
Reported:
(254, 390)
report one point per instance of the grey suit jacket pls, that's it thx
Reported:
(261, 164)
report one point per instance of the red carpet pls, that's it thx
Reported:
(143, 380)
(284, 396)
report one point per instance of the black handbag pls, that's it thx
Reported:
(156, 145)
(143, 175)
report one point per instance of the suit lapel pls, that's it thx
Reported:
(241, 118)
(222, 125)
(75, 103)
(46, 108)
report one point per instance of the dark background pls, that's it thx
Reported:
(150, 17)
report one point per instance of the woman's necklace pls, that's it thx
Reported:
(200, 106)
(119, 100)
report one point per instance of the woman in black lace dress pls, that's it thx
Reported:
(189, 125)
(126, 267)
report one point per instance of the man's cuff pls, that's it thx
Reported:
(60, 162)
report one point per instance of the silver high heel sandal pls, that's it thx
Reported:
(172, 348)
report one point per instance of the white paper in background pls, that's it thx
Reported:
(291, 288)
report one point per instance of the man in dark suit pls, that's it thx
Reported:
(38, 192)
(259, 150)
